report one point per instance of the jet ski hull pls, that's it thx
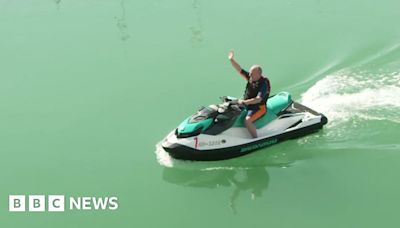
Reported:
(179, 151)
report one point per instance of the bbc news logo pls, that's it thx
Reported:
(58, 203)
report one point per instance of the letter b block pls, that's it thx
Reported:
(37, 203)
(16, 203)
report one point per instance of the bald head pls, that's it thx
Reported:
(255, 72)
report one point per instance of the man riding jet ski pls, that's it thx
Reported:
(255, 95)
(239, 126)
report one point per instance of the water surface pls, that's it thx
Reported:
(88, 88)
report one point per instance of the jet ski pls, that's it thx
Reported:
(217, 131)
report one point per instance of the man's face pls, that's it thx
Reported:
(254, 72)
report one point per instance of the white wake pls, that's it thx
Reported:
(346, 96)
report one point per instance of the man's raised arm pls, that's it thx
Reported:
(236, 65)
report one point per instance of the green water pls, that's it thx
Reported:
(88, 88)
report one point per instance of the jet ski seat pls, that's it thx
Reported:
(275, 104)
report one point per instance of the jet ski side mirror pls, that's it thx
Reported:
(224, 99)
(227, 98)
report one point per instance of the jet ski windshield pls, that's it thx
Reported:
(204, 113)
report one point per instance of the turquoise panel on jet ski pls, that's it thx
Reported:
(279, 102)
(187, 127)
